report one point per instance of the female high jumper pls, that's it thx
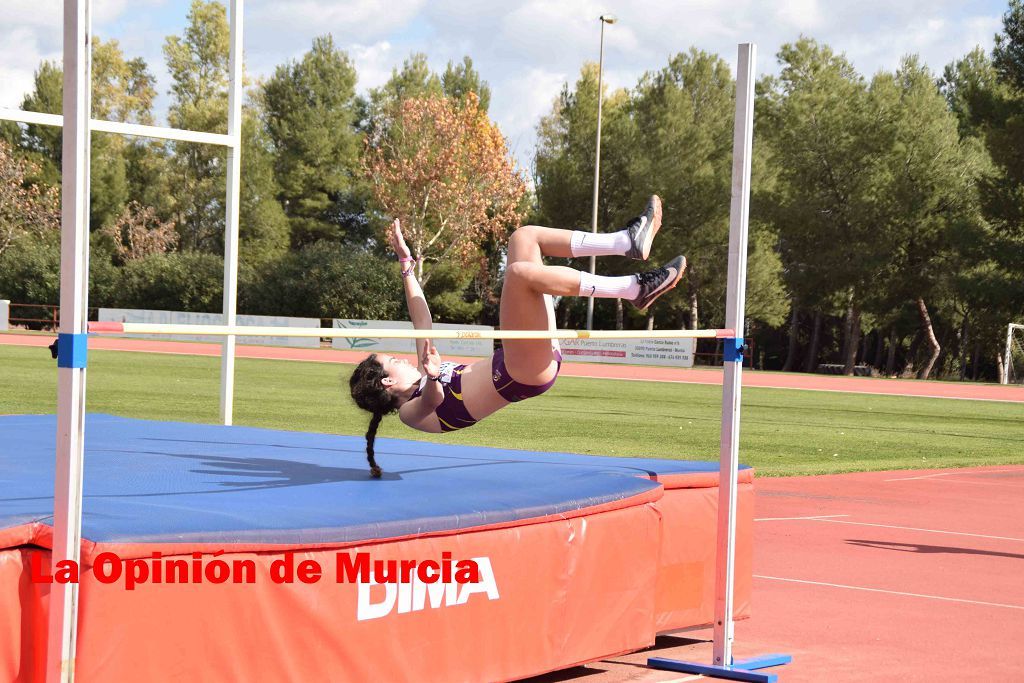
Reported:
(443, 397)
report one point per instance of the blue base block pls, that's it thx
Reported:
(743, 670)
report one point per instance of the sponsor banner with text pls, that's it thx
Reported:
(672, 352)
(446, 347)
(127, 315)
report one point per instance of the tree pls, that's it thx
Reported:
(414, 79)
(458, 80)
(41, 143)
(988, 99)
(445, 171)
(684, 118)
(824, 145)
(123, 90)
(564, 166)
(564, 161)
(263, 230)
(138, 233)
(311, 114)
(930, 190)
(26, 208)
(198, 64)
(1008, 53)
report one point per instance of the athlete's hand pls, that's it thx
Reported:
(431, 360)
(397, 241)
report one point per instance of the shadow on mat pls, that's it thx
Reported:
(918, 548)
(381, 450)
(276, 474)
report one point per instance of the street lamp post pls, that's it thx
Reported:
(604, 19)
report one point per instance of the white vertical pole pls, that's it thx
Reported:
(1005, 379)
(234, 179)
(597, 170)
(743, 131)
(74, 283)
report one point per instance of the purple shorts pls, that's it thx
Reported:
(511, 390)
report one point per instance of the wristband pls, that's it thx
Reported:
(406, 272)
(434, 379)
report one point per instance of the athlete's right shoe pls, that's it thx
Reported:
(643, 228)
(654, 283)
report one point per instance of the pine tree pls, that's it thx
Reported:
(311, 113)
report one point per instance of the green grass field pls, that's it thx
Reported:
(784, 432)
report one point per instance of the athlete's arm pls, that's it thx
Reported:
(419, 313)
(415, 411)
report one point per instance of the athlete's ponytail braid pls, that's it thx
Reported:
(370, 395)
(371, 435)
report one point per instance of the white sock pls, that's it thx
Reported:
(599, 243)
(621, 287)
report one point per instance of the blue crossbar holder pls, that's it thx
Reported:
(72, 350)
(732, 350)
(743, 670)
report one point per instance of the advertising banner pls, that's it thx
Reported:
(128, 315)
(446, 347)
(673, 352)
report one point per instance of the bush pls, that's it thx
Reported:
(324, 280)
(182, 281)
(30, 271)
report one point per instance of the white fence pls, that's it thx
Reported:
(446, 347)
(5, 313)
(673, 352)
(128, 315)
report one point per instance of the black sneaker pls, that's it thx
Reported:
(643, 228)
(654, 283)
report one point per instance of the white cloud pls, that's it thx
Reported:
(32, 31)
(373, 64)
(20, 56)
(367, 19)
(522, 100)
(525, 49)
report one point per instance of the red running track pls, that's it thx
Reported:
(899, 576)
(891, 576)
(866, 385)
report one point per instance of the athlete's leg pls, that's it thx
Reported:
(530, 361)
(527, 280)
(634, 240)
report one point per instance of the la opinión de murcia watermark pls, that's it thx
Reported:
(109, 568)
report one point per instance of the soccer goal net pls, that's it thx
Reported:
(1013, 363)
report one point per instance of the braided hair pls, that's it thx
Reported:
(370, 395)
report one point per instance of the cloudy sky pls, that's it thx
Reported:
(525, 49)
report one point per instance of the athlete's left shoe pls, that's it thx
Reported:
(643, 228)
(654, 283)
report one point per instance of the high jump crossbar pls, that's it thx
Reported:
(366, 332)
